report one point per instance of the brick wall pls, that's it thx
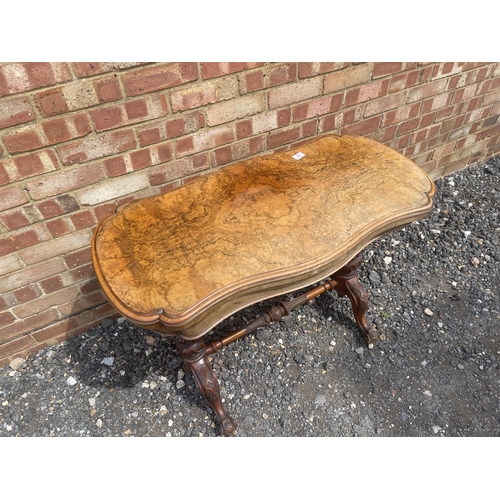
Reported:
(76, 138)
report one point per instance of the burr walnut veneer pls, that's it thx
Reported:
(181, 262)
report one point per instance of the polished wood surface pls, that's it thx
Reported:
(183, 261)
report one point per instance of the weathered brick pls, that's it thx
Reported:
(106, 144)
(238, 150)
(16, 111)
(158, 77)
(113, 188)
(384, 104)
(366, 92)
(427, 90)
(4, 175)
(281, 74)
(15, 347)
(12, 196)
(236, 108)
(9, 264)
(135, 111)
(214, 69)
(64, 181)
(386, 68)
(295, 92)
(347, 78)
(57, 206)
(491, 98)
(78, 95)
(39, 135)
(178, 169)
(83, 69)
(46, 302)
(20, 77)
(202, 141)
(22, 167)
(65, 129)
(31, 274)
(201, 94)
(28, 324)
(25, 139)
(55, 247)
(317, 107)
(308, 69)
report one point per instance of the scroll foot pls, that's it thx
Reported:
(194, 356)
(348, 284)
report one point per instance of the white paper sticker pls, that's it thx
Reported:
(298, 156)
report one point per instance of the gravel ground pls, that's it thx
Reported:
(434, 294)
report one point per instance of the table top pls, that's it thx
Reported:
(254, 229)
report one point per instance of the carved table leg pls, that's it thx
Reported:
(348, 284)
(193, 354)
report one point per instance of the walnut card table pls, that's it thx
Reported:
(180, 263)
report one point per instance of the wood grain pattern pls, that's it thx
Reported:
(183, 261)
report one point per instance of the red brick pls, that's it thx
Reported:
(15, 348)
(65, 129)
(58, 227)
(13, 242)
(25, 139)
(366, 92)
(12, 196)
(328, 123)
(14, 219)
(26, 293)
(115, 166)
(281, 74)
(83, 69)
(141, 159)
(131, 112)
(200, 94)
(51, 102)
(4, 175)
(161, 153)
(97, 147)
(252, 81)
(55, 247)
(84, 219)
(158, 77)
(150, 134)
(20, 77)
(279, 138)
(317, 107)
(177, 169)
(108, 89)
(202, 141)
(16, 111)
(386, 68)
(35, 163)
(214, 69)
(29, 324)
(79, 258)
(362, 128)
(244, 129)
